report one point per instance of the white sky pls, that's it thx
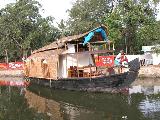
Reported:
(54, 8)
(158, 16)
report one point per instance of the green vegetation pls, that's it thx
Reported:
(22, 29)
(87, 14)
(131, 23)
(14, 106)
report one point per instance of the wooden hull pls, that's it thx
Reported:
(97, 84)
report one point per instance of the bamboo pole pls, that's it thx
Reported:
(66, 60)
(90, 60)
(77, 61)
(105, 46)
(126, 49)
(113, 48)
(58, 62)
(109, 46)
(6, 52)
(90, 67)
(89, 46)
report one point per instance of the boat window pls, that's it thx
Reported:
(81, 48)
(99, 46)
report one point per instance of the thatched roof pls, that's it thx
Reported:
(62, 41)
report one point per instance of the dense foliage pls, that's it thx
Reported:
(22, 29)
(87, 14)
(131, 23)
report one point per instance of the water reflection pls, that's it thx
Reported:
(150, 107)
(13, 106)
(40, 103)
(147, 90)
(71, 105)
(43, 105)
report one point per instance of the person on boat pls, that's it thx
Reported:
(124, 60)
(118, 58)
(121, 61)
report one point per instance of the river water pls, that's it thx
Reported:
(40, 103)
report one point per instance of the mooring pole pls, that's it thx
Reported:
(6, 52)
(77, 61)
(90, 61)
(50, 83)
(66, 59)
(58, 62)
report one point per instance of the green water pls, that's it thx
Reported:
(39, 103)
(13, 106)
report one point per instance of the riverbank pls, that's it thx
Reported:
(11, 73)
(150, 71)
(12, 78)
(147, 76)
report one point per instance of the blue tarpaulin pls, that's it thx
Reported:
(91, 34)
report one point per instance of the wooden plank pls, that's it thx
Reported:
(98, 42)
(113, 48)
(66, 59)
(91, 52)
(77, 61)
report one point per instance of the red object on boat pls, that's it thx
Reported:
(107, 61)
(3, 66)
(15, 65)
(123, 58)
(12, 65)
(14, 83)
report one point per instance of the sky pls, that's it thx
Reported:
(54, 8)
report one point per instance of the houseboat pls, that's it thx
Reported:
(79, 62)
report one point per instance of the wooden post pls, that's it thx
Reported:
(58, 66)
(50, 83)
(126, 49)
(113, 48)
(109, 46)
(90, 67)
(6, 52)
(105, 46)
(90, 60)
(57, 62)
(77, 61)
(9, 89)
(66, 59)
(89, 46)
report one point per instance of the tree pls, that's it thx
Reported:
(63, 28)
(132, 23)
(23, 29)
(156, 37)
(86, 14)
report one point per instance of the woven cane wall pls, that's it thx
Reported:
(43, 65)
